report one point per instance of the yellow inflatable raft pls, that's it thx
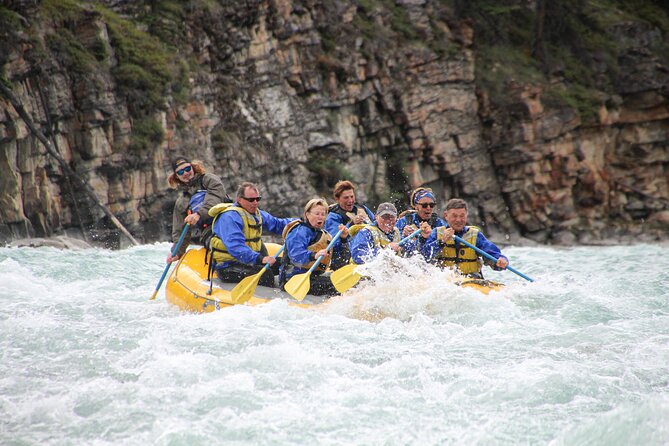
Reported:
(187, 288)
(482, 285)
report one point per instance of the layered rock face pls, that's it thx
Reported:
(279, 93)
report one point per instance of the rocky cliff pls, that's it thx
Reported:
(295, 95)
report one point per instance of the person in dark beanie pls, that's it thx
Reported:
(198, 191)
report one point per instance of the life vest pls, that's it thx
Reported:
(252, 231)
(380, 238)
(320, 242)
(412, 214)
(348, 215)
(465, 259)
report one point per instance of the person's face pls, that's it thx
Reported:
(185, 172)
(316, 216)
(425, 208)
(250, 201)
(386, 222)
(346, 200)
(456, 218)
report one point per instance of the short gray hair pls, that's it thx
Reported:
(456, 203)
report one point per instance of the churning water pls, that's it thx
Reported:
(581, 356)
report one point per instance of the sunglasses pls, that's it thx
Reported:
(252, 199)
(184, 170)
(425, 205)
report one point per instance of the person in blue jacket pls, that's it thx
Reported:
(238, 227)
(306, 241)
(423, 203)
(442, 249)
(371, 238)
(345, 212)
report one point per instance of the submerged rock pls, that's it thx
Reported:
(60, 242)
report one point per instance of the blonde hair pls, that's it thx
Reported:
(174, 181)
(313, 203)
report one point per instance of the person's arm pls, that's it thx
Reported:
(178, 215)
(273, 224)
(431, 247)
(401, 223)
(230, 229)
(332, 222)
(489, 247)
(215, 193)
(362, 246)
(296, 246)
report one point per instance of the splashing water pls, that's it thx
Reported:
(581, 356)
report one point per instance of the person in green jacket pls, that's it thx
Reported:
(198, 191)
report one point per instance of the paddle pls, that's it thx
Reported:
(298, 285)
(346, 276)
(243, 291)
(488, 256)
(167, 267)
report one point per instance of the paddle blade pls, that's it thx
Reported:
(243, 291)
(298, 286)
(345, 277)
(153, 296)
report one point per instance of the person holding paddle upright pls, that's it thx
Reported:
(423, 203)
(345, 212)
(306, 241)
(198, 192)
(445, 246)
(236, 246)
(371, 238)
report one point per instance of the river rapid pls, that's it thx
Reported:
(579, 357)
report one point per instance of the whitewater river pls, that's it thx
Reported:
(580, 357)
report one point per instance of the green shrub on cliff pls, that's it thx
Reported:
(146, 133)
(145, 69)
(569, 46)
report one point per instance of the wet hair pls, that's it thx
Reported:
(173, 179)
(313, 203)
(341, 187)
(245, 185)
(456, 203)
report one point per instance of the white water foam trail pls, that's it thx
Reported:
(578, 357)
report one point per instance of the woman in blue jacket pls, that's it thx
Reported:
(306, 241)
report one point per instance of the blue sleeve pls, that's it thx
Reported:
(431, 247)
(401, 223)
(332, 222)
(230, 229)
(296, 245)
(273, 224)
(362, 246)
(441, 222)
(489, 247)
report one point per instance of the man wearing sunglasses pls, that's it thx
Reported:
(237, 246)
(442, 249)
(423, 202)
(198, 191)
